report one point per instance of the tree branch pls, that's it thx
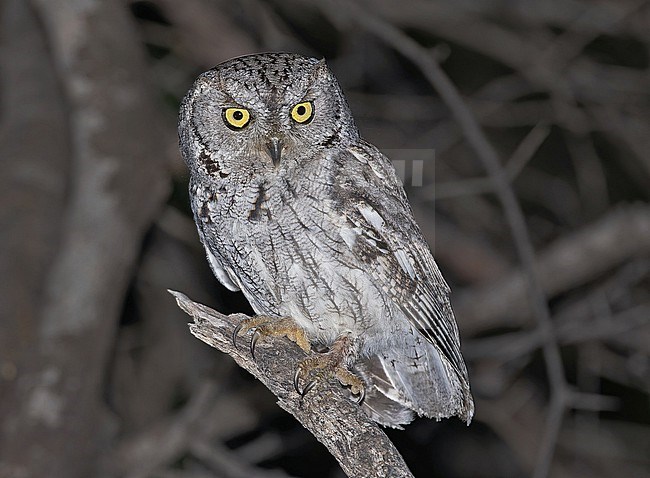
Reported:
(358, 444)
(569, 262)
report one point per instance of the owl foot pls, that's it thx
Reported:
(330, 364)
(265, 326)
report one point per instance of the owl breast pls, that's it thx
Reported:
(290, 250)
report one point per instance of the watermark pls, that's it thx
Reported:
(415, 167)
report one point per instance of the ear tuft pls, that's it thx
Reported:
(320, 70)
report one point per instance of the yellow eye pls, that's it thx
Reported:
(236, 118)
(303, 112)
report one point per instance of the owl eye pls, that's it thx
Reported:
(303, 112)
(236, 118)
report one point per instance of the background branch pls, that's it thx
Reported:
(98, 375)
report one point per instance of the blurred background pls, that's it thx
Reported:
(99, 375)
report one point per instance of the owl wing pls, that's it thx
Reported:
(202, 198)
(383, 234)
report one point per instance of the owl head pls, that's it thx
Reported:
(262, 114)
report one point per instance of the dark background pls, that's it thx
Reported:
(99, 375)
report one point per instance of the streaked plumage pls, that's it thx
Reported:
(322, 232)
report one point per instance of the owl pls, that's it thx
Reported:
(313, 225)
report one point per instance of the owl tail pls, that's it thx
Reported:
(400, 384)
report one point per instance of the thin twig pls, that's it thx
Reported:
(224, 462)
(524, 153)
(516, 344)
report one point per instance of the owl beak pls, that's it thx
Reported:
(274, 148)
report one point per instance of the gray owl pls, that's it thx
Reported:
(312, 224)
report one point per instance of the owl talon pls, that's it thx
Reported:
(308, 387)
(235, 333)
(264, 326)
(362, 396)
(254, 339)
(296, 380)
(330, 364)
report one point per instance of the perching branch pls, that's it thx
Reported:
(357, 443)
